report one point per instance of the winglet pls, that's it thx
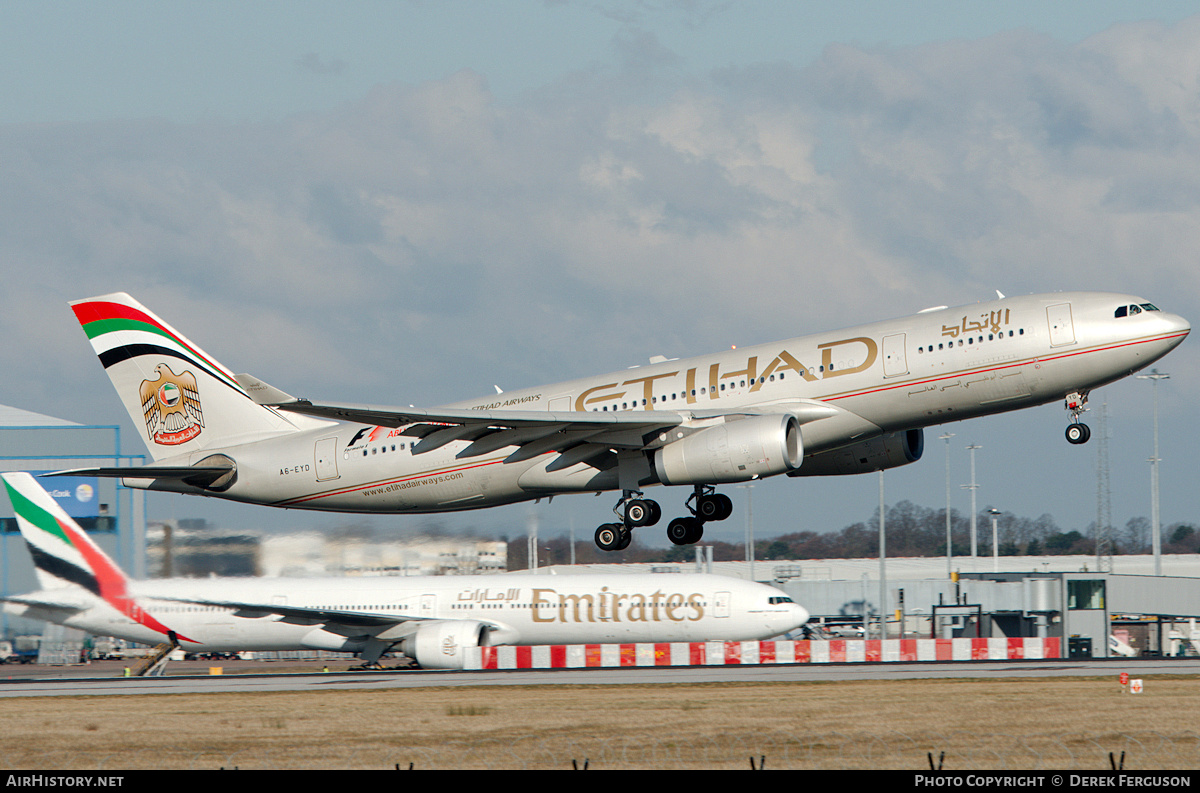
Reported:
(261, 392)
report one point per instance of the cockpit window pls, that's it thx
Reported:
(777, 600)
(1137, 308)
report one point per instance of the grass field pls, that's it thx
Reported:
(990, 724)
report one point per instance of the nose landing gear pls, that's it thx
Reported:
(1077, 431)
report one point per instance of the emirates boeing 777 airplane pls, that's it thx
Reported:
(844, 402)
(431, 619)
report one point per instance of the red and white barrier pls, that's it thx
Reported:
(583, 656)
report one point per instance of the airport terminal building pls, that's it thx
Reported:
(1128, 611)
(115, 516)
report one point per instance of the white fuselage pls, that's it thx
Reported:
(519, 608)
(902, 374)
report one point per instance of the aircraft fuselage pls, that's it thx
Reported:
(883, 378)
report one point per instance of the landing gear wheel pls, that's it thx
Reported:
(685, 531)
(610, 536)
(641, 512)
(1078, 433)
(716, 506)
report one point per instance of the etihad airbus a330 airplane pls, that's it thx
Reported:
(431, 619)
(845, 402)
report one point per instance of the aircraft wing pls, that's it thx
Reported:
(578, 436)
(300, 615)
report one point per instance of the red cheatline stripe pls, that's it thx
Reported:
(1011, 365)
(381, 483)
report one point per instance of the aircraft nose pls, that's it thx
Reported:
(1179, 324)
(799, 615)
(1177, 329)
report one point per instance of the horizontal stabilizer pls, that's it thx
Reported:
(60, 600)
(195, 475)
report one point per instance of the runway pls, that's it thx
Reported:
(80, 685)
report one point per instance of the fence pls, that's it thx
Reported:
(579, 656)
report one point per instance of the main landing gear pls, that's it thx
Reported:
(1077, 431)
(638, 512)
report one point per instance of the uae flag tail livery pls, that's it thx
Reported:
(65, 557)
(183, 399)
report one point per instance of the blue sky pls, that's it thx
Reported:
(406, 202)
(185, 61)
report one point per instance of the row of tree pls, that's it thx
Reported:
(912, 531)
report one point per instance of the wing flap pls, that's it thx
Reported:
(578, 436)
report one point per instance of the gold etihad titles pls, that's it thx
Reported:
(833, 357)
(992, 321)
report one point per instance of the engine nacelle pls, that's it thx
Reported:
(886, 451)
(442, 644)
(735, 451)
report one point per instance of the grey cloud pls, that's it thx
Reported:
(429, 240)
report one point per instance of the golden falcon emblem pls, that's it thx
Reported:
(171, 405)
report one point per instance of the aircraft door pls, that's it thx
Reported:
(895, 362)
(1062, 328)
(721, 604)
(428, 607)
(326, 459)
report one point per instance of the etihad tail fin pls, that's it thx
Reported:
(182, 397)
(64, 557)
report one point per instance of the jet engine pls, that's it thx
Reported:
(440, 644)
(735, 451)
(886, 451)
